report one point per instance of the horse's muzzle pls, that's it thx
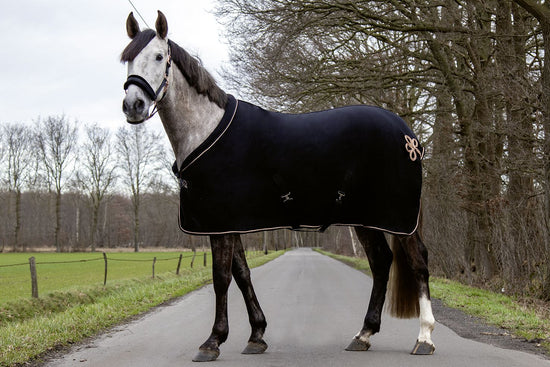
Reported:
(134, 110)
(136, 105)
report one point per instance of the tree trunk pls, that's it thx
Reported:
(541, 11)
(353, 244)
(136, 224)
(17, 230)
(77, 226)
(471, 140)
(518, 128)
(95, 219)
(483, 185)
(57, 220)
(546, 117)
(546, 126)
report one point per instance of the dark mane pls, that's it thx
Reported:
(197, 76)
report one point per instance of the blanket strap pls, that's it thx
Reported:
(183, 183)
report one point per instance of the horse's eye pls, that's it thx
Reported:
(159, 57)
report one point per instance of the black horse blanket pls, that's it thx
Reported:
(262, 170)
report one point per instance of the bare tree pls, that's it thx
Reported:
(139, 153)
(466, 76)
(96, 175)
(541, 11)
(17, 140)
(56, 139)
(3, 217)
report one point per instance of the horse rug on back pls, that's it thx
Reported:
(262, 170)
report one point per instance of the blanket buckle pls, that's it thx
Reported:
(287, 197)
(341, 195)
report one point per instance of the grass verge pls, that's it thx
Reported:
(63, 318)
(523, 318)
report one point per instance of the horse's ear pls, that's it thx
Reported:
(132, 26)
(161, 25)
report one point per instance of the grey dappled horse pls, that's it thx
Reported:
(243, 169)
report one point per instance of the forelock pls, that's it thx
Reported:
(140, 41)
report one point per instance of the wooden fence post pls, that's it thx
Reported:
(179, 264)
(105, 277)
(193, 259)
(204, 259)
(34, 281)
(154, 261)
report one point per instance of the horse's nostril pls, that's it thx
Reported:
(125, 108)
(139, 105)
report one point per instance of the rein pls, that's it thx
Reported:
(140, 82)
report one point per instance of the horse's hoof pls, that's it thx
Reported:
(255, 347)
(357, 345)
(206, 355)
(423, 349)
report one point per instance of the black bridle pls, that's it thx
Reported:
(146, 87)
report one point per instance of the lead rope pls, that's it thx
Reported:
(153, 112)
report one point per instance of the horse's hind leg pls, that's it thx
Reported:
(241, 273)
(416, 256)
(222, 258)
(380, 259)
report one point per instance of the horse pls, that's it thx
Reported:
(243, 169)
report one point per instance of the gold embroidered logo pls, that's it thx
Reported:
(412, 148)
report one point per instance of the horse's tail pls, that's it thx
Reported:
(403, 293)
(402, 296)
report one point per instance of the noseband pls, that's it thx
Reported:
(140, 82)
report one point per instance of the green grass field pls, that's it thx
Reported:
(73, 302)
(83, 270)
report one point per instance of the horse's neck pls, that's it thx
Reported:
(188, 117)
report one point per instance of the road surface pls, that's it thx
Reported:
(314, 305)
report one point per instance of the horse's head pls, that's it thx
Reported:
(148, 57)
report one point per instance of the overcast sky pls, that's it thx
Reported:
(62, 57)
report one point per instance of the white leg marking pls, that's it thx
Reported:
(364, 337)
(427, 320)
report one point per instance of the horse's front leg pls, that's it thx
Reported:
(241, 273)
(222, 258)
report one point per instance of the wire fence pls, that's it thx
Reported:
(108, 259)
(32, 263)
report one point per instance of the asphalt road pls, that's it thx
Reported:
(314, 305)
